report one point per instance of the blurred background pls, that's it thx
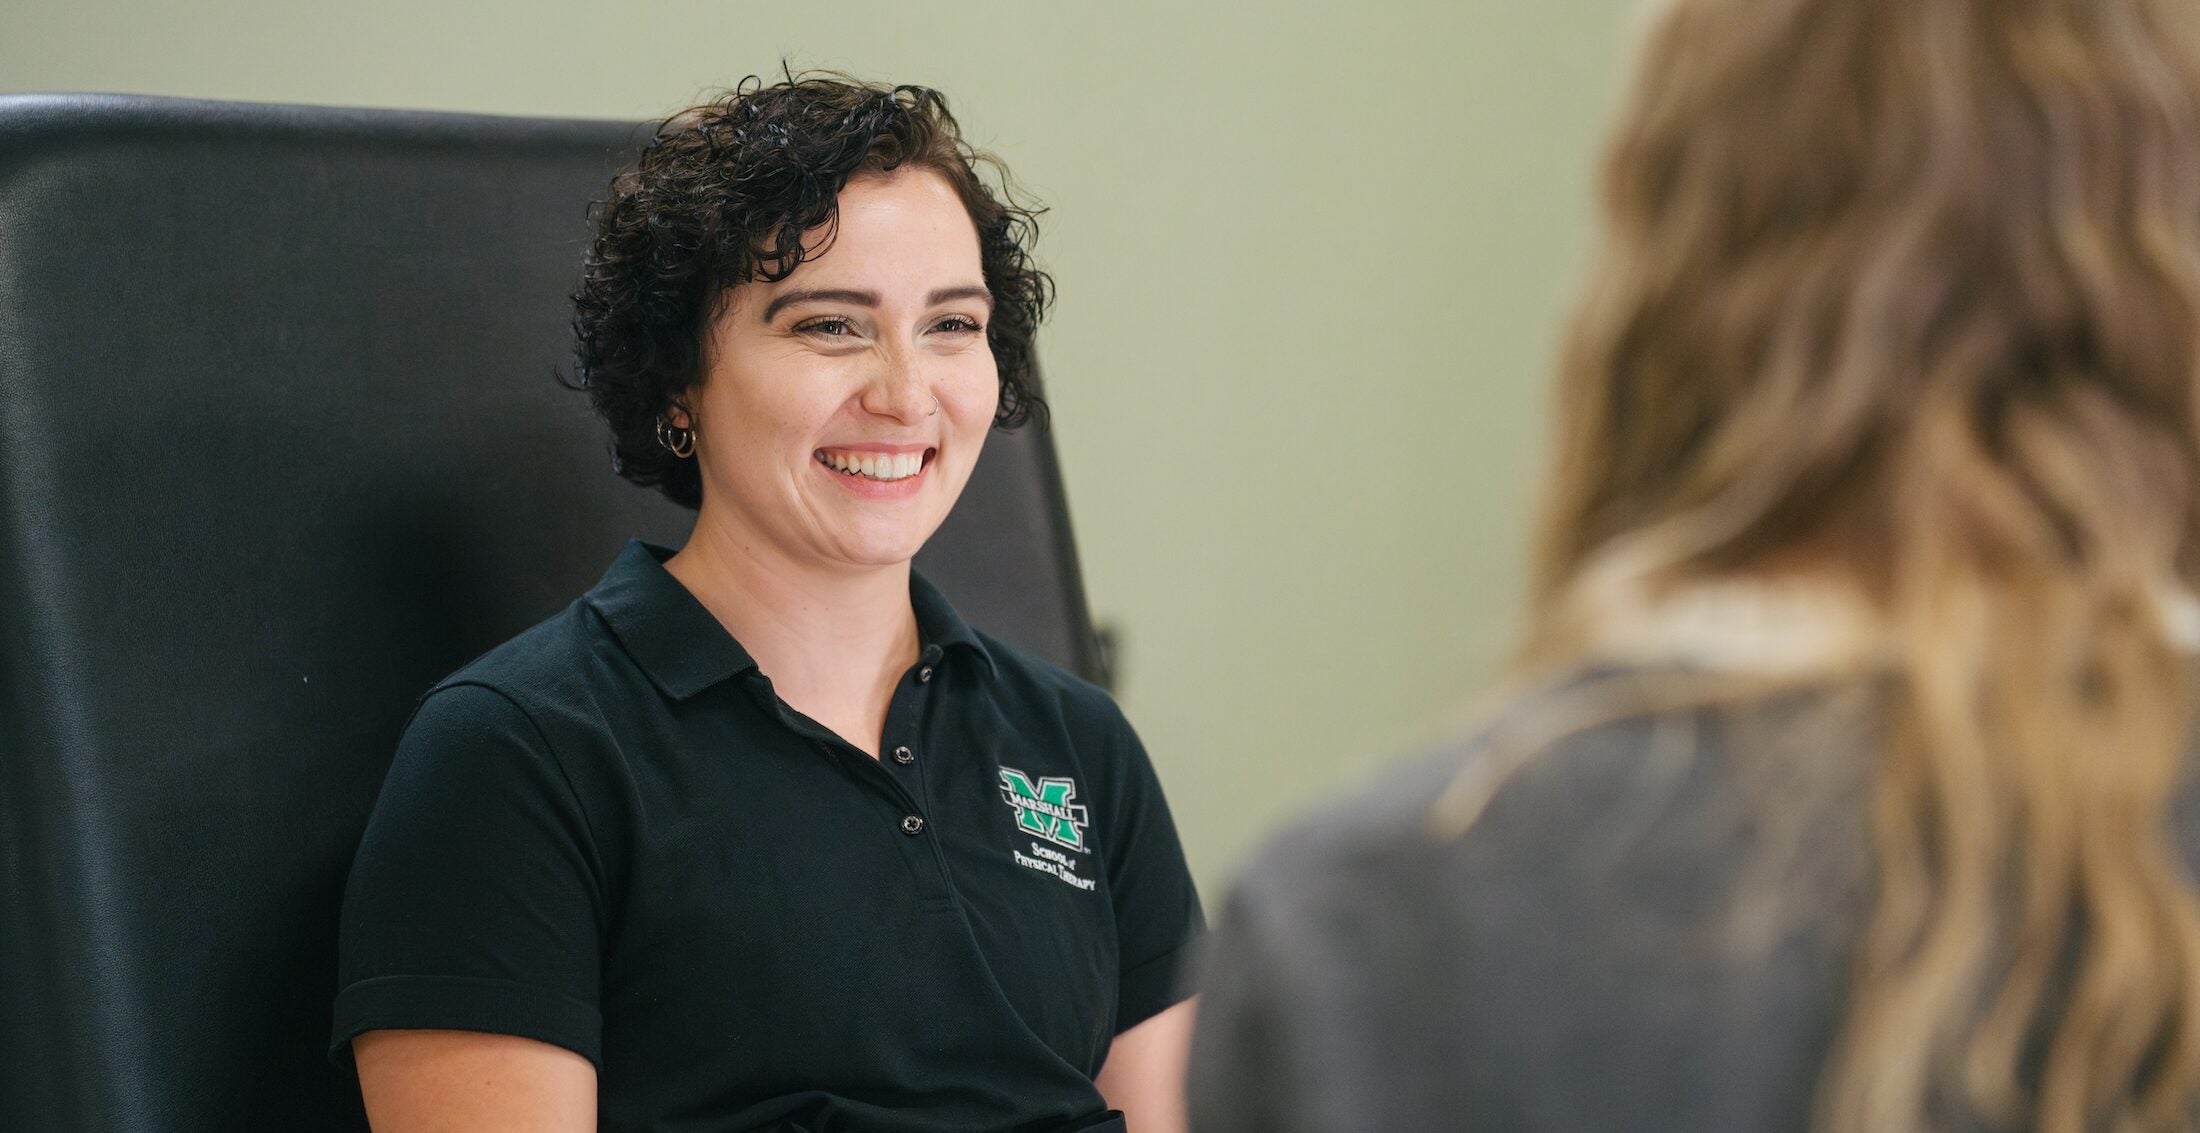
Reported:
(1313, 261)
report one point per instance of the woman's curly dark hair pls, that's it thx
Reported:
(723, 195)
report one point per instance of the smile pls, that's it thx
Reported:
(886, 466)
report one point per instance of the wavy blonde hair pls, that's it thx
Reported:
(1902, 297)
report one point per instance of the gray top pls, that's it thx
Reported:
(1647, 928)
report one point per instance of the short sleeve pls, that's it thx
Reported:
(476, 901)
(1157, 913)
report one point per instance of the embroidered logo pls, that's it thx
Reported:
(1046, 807)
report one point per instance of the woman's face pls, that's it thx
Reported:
(843, 407)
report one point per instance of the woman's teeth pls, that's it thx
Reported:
(874, 465)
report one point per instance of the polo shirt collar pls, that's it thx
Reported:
(677, 642)
(683, 648)
(939, 625)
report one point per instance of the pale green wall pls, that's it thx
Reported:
(1312, 262)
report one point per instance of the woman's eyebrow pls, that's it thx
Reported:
(950, 294)
(868, 298)
(820, 294)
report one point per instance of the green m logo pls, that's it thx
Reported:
(1044, 808)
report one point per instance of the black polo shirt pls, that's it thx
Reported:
(610, 834)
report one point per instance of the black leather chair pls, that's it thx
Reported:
(280, 444)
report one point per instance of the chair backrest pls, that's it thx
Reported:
(281, 444)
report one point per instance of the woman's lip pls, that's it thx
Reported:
(863, 487)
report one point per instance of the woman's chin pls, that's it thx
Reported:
(882, 527)
(879, 549)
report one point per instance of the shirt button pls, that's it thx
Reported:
(904, 755)
(912, 825)
(924, 674)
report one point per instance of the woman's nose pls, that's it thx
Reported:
(898, 389)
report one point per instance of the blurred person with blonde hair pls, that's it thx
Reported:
(1845, 779)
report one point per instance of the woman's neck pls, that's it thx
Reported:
(834, 643)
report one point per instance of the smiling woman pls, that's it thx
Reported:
(748, 188)
(845, 405)
(762, 835)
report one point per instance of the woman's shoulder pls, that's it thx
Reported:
(1031, 681)
(1633, 883)
(553, 697)
(556, 661)
(1580, 789)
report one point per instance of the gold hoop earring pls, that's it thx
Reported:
(678, 441)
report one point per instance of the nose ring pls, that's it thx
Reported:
(935, 405)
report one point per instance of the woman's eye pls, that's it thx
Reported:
(958, 324)
(834, 327)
